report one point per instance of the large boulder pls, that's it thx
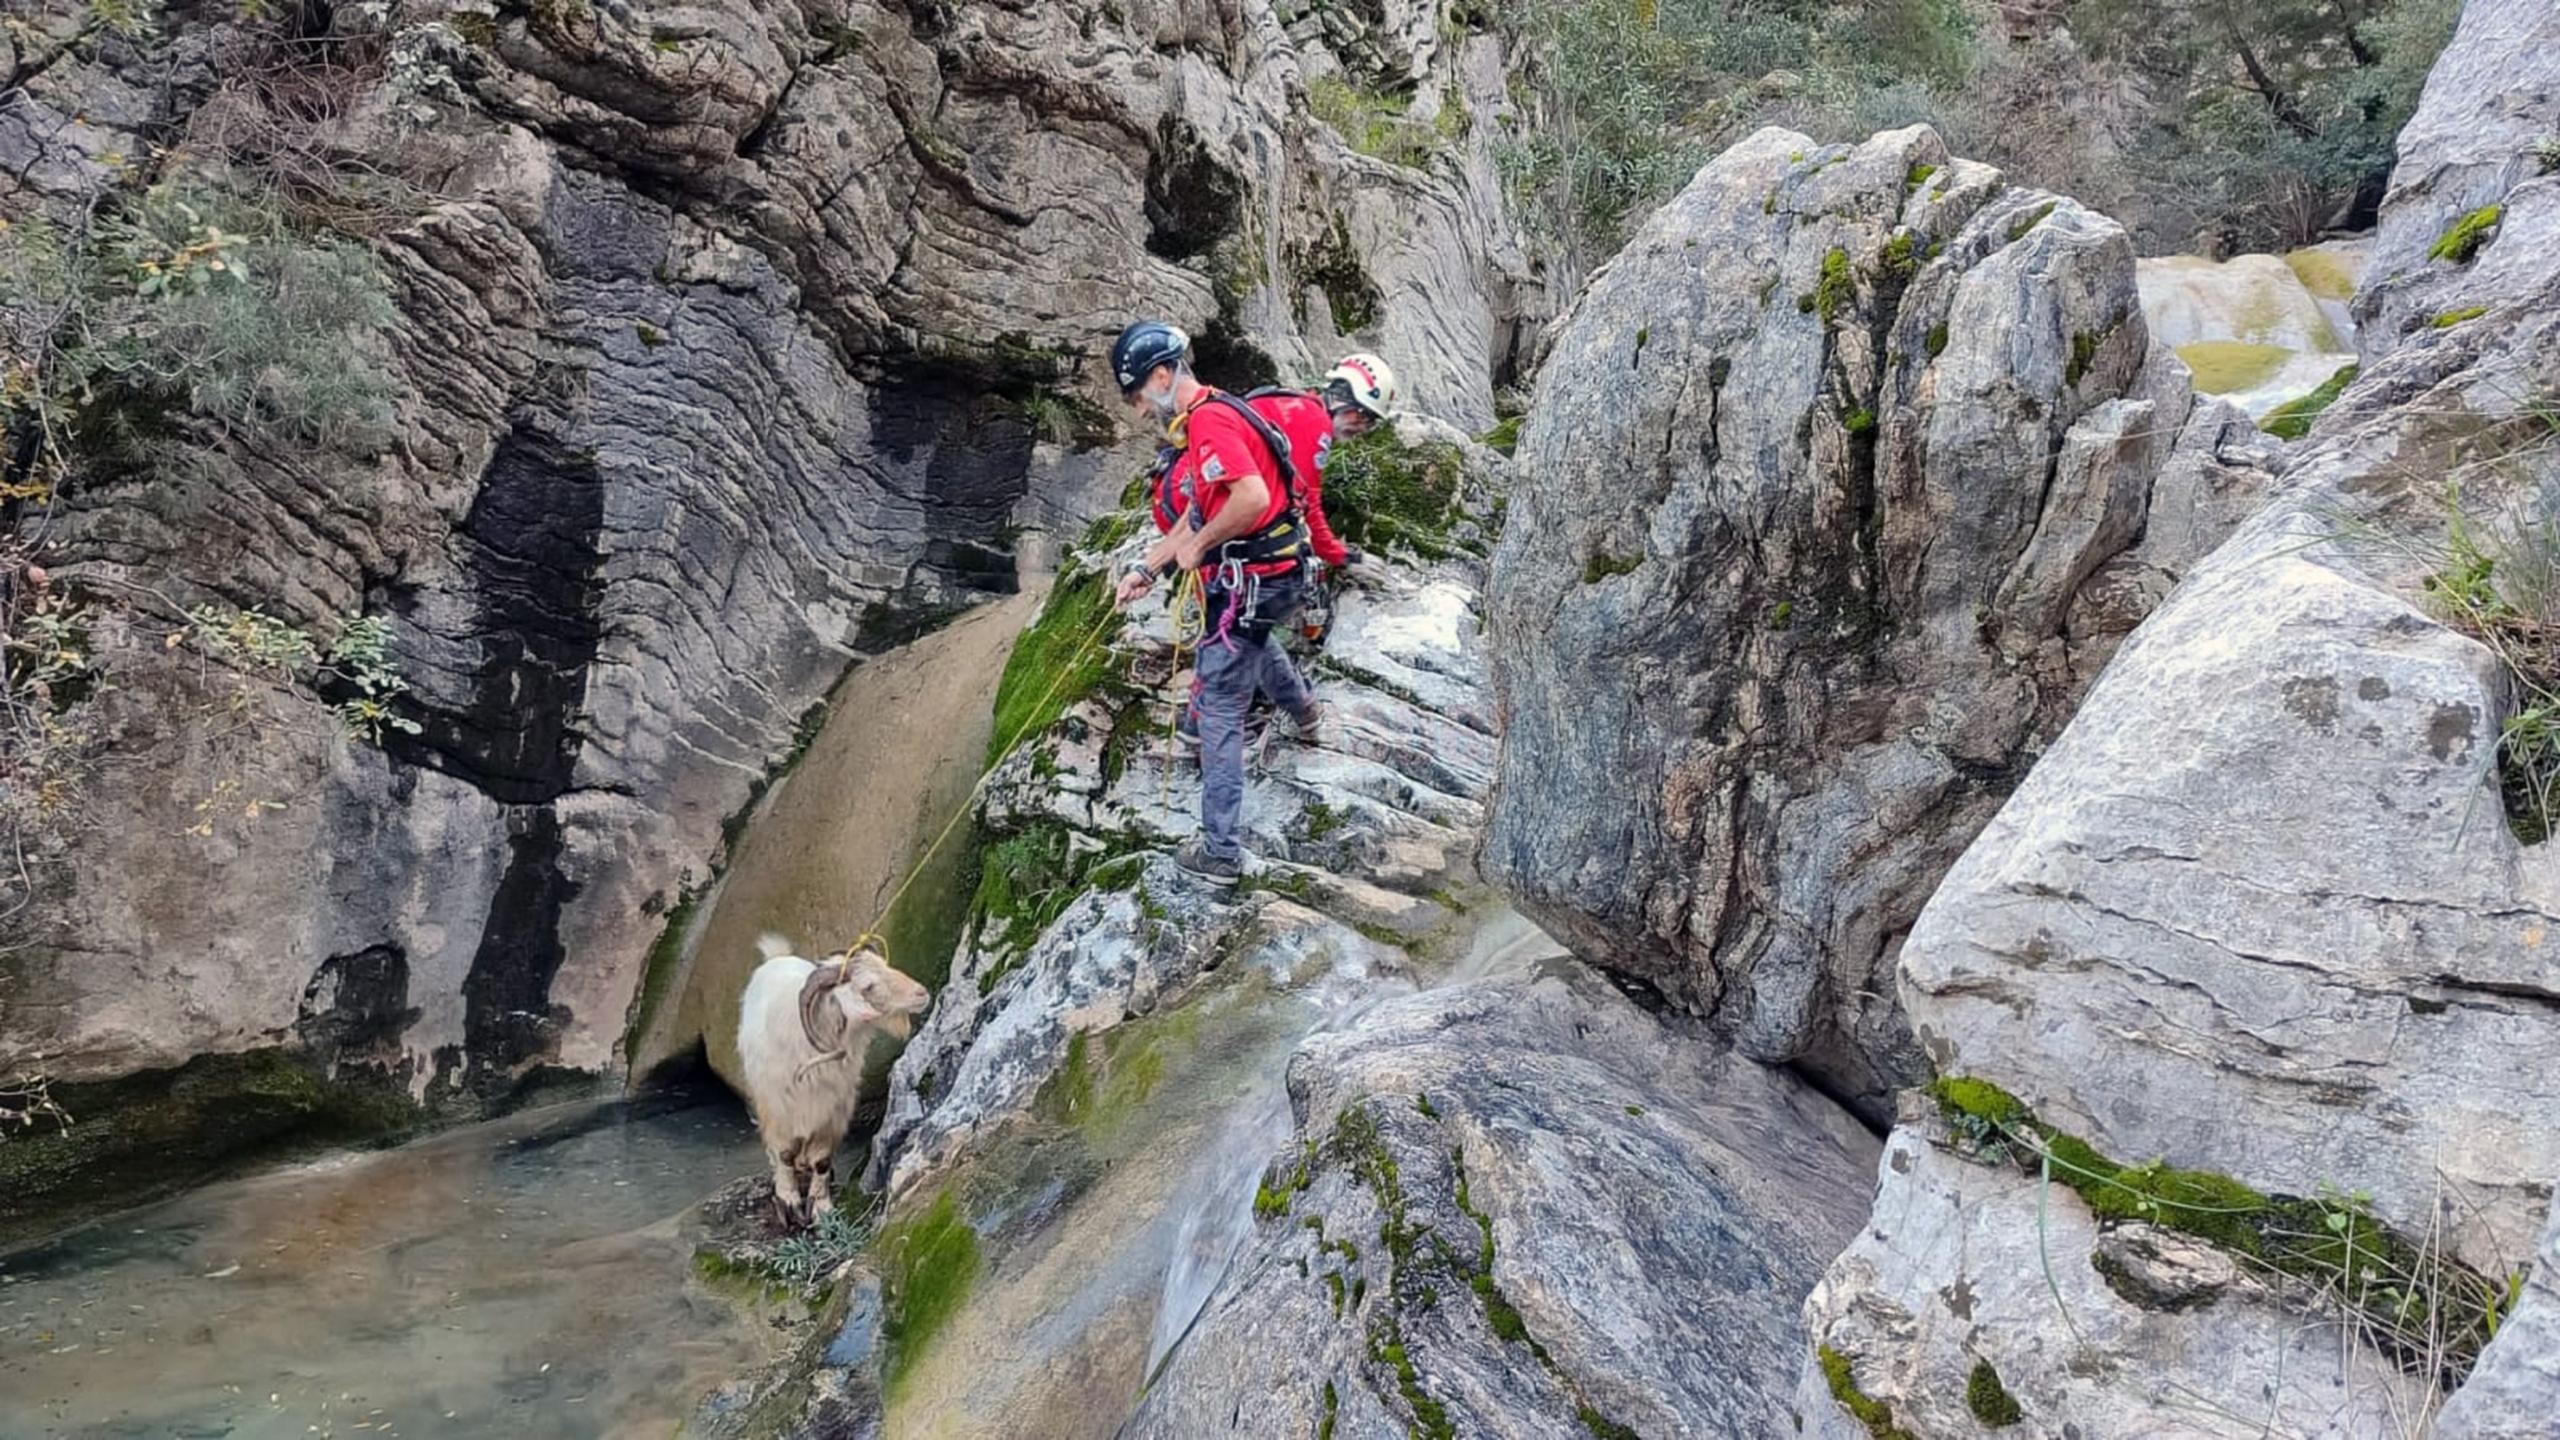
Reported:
(1974, 1288)
(1523, 1207)
(1839, 484)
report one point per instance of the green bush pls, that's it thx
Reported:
(201, 295)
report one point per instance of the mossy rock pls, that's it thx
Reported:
(1060, 660)
(929, 1262)
(145, 1135)
(2292, 419)
(2322, 272)
(2224, 367)
(1382, 493)
(2418, 1303)
(2465, 236)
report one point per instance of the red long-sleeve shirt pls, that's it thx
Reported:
(1220, 449)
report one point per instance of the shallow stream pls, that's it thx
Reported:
(524, 1277)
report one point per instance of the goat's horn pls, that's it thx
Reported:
(813, 997)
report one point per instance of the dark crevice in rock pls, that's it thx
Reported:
(509, 1022)
(356, 1006)
(532, 543)
(1192, 201)
(154, 1132)
(2538, 995)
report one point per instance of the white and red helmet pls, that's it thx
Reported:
(1363, 380)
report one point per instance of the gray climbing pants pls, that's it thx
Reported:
(1230, 669)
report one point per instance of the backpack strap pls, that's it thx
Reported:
(1272, 440)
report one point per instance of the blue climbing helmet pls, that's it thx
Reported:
(1141, 348)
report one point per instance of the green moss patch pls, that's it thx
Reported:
(665, 961)
(2084, 351)
(1607, 567)
(1108, 1077)
(2446, 320)
(2465, 236)
(2323, 273)
(2292, 419)
(1504, 436)
(1056, 663)
(1835, 288)
(2420, 1305)
(1381, 493)
(1988, 1399)
(1862, 1407)
(1916, 177)
(2018, 228)
(2222, 367)
(928, 1263)
(1936, 343)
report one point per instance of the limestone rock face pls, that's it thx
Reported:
(2133, 1330)
(733, 340)
(2511, 1393)
(2471, 143)
(2259, 912)
(1540, 1208)
(1840, 483)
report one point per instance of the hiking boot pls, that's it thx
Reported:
(1196, 857)
(1310, 725)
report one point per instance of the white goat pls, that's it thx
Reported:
(800, 1044)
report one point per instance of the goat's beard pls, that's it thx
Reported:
(894, 1024)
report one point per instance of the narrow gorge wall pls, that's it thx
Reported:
(1838, 486)
(734, 341)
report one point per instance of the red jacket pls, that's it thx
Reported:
(1219, 449)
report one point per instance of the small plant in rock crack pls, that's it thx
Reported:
(2493, 572)
(2499, 582)
(257, 645)
(807, 1261)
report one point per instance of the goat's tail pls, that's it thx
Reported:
(772, 946)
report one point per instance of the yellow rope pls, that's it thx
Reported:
(872, 937)
(1190, 605)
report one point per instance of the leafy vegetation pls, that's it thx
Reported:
(2260, 125)
(2498, 580)
(173, 327)
(1376, 123)
(805, 1262)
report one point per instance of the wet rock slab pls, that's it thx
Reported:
(1522, 1206)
